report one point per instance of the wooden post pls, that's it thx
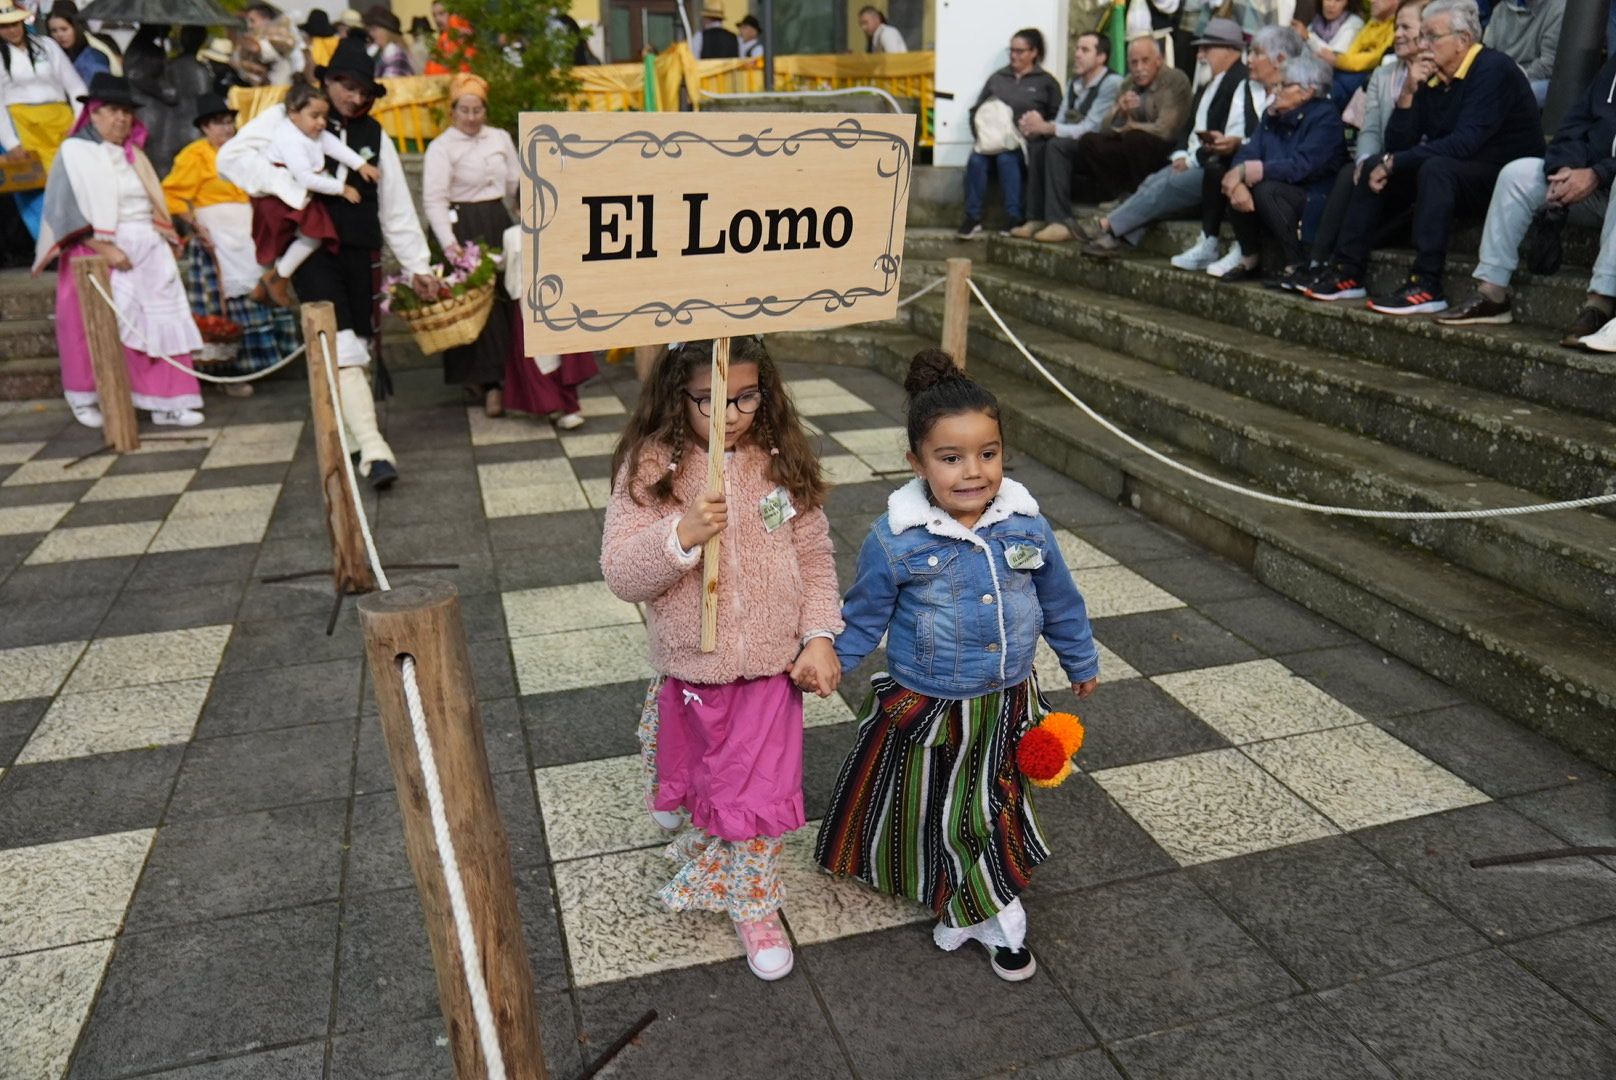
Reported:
(349, 567)
(106, 354)
(424, 621)
(957, 309)
(715, 482)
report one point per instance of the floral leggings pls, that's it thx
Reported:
(739, 878)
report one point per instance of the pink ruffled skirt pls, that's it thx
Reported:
(731, 755)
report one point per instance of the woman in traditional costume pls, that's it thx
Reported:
(38, 91)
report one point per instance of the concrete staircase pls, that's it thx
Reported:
(28, 366)
(1327, 403)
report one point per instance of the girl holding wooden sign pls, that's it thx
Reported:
(721, 731)
(961, 575)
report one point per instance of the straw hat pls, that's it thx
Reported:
(351, 18)
(10, 13)
(219, 51)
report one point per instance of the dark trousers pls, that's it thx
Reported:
(1439, 190)
(350, 280)
(1107, 164)
(1276, 211)
(1012, 172)
(1049, 172)
(1213, 204)
(1394, 221)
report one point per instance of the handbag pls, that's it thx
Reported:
(1544, 249)
(996, 132)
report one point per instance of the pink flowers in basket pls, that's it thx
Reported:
(474, 268)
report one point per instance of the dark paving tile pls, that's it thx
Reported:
(238, 773)
(1091, 840)
(1178, 639)
(1275, 625)
(173, 609)
(47, 619)
(462, 499)
(1582, 814)
(166, 461)
(1495, 754)
(823, 751)
(17, 722)
(394, 1052)
(275, 557)
(1203, 579)
(384, 973)
(592, 467)
(566, 533)
(1290, 1040)
(1143, 955)
(491, 670)
(541, 927)
(305, 1062)
(84, 577)
(502, 732)
(1074, 507)
(539, 567)
(1087, 1065)
(14, 549)
(1137, 541)
(1503, 902)
(249, 862)
(484, 616)
(1132, 721)
(531, 450)
(1372, 683)
(377, 860)
(1333, 913)
(908, 1027)
(239, 476)
(178, 996)
(88, 796)
(1580, 963)
(303, 598)
(68, 491)
(519, 811)
(584, 725)
(246, 701)
(283, 643)
(857, 503)
(169, 569)
(118, 511)
(1475, 1017)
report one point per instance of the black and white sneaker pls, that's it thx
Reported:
(1336, 284)
(970, 230)
(1418, 297)
(1013, 966)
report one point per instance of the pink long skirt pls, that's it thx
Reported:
(731, 754)
(529, 390)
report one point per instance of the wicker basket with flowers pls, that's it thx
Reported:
(458, 318)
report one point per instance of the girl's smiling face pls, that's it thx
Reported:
(745, 398)
(962, 461)
(310, 119)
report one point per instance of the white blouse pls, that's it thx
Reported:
(49, 78)
(461, 168)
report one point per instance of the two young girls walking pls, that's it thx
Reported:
(961, 576)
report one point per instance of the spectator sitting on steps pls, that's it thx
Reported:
(1092, 92)
(1465, 112)
(1020, 87)
(1574, 176)
(1528, 32)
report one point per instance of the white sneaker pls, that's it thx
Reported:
(88, 415)
(1227, 263)
(1601, 340)
(570, 421)
(177, 417)
(1199, 255)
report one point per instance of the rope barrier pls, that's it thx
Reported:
(1263, 496)
(460, 910)
(204, 376)
(912, 297)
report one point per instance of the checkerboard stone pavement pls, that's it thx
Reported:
(1260, 871)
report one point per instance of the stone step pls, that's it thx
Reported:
(28, 378)
(1561, 454)
(1568, 559)
(24, 338)
(23, 296)
(1516, 361)
(1547, 668)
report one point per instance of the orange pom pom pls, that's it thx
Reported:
(1041, 755)
(1067, 728)
(1056, 780)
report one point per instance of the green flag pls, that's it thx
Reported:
(1116, 25)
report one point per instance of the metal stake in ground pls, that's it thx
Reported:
(423, 622)
(718, 393)
(106, 356)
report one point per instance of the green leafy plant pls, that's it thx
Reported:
(522, 49)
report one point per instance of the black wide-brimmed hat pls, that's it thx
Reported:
(209, 106)
(352, 60)
(110, 89)
(319, 25)
(380, 16)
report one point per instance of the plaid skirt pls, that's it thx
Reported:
(268, 332)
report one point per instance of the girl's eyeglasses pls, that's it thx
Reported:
(745, 404)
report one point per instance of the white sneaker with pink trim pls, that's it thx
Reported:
(768, 952)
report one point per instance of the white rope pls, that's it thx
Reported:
(460, 910)
(204, 376)
(1263, 496)
(912, 297)
(731, 95)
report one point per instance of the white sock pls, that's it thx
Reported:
(296, 255)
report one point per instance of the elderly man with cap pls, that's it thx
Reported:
(350, 278)
(713, 41)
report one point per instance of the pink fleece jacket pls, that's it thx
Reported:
(773, 588)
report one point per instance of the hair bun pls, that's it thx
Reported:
(929, 368)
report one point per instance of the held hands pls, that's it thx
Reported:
(369, 172)
(1568, 186)
(1129, 101)
(1241, 199)
(704, 520)
(350, 193)
(1378, 177)
(1084, 689)
(817, 668)
(1032, 123)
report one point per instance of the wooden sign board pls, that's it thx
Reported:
(644, 228)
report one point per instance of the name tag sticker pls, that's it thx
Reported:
(776, 508)
(1023, 556)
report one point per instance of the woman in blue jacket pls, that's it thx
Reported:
(961, 575)
(1280, 179)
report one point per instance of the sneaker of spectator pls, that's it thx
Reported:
(1225, 266)
(1602, 340)
(1588, 320)
(1103, 246)
(1199, 255)
(971, 229)
(1336, 283)
(1420, 295)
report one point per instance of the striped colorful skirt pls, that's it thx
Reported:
(930, 803)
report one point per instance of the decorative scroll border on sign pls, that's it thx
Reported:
(545, 293)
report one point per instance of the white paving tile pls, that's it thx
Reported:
(139, 485)
(1079, 553)
(594, 807)
(45, 997)
(126, 718)
(598, 490)
(1213, 805)
(254, 444)
(821, 907)
(94, 542)
(252, 499)
(52, 470)
(69, 891)
(824, 397)
(579, 658)
(589, 443)
(497, 430)
(1361, 776)
(191, 534)
(593, 405)
(35, 671)
(823, 711)
(41, 517)
(142, 659)
(845, 469)
(536, 499)
(515, 474)
(1257, 699)
(882, 447)
(565, 607)
(1113, 668)
(1116, 590)
(15, 453)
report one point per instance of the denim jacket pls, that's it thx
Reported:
(961, 621)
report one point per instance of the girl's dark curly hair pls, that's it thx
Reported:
(937, 388)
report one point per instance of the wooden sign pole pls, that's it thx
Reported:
(957, 309)
(106, 355)
(719, 393)
(349, 567)
(424, 622)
